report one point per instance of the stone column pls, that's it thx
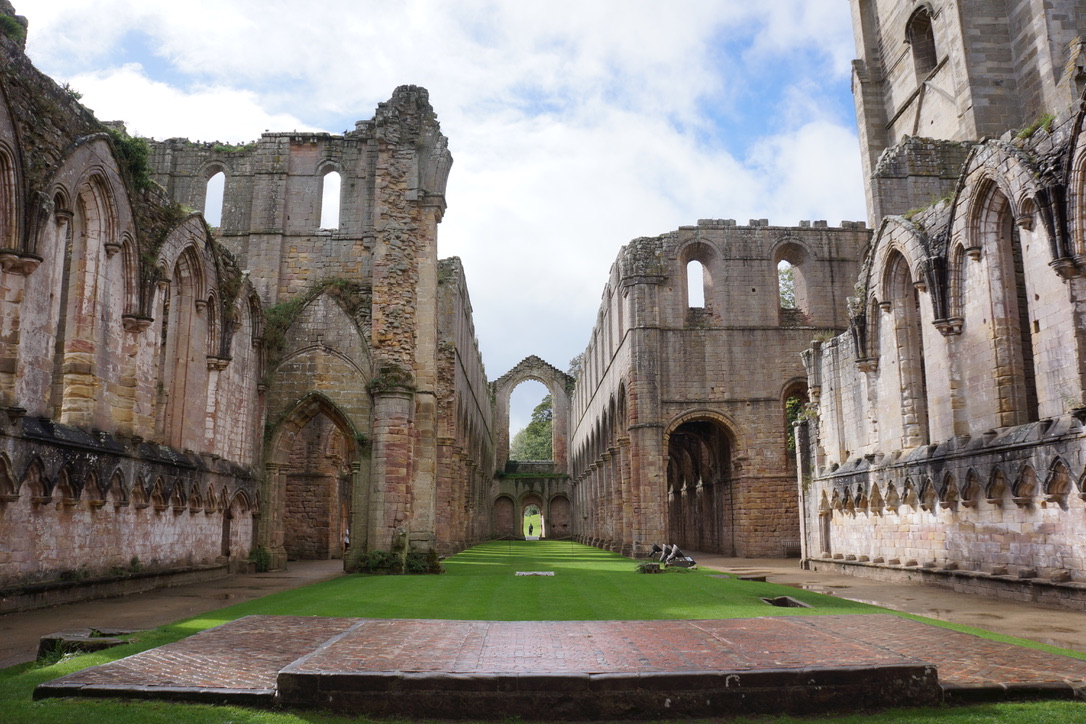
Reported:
(360, 509)
(391, 467)
(270, 532)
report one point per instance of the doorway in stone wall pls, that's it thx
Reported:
(532, 524)
(531, 515)
(699, 494)
(317, 492)
(310, 474)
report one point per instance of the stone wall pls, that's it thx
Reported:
(466, 436)
(679, 430)
(279, 361)
(958, 71)
(949, 426)
(121, 367)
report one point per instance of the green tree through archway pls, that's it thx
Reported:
(534, 442)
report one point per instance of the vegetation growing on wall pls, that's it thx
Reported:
(1045, 121)
(12, 28)
(133, 154)
(391, 376)
(351, 296)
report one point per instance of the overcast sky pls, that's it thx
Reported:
(575, 125)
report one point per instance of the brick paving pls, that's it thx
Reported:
(244, 657)
(241, 657)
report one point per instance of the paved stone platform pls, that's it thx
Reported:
(579, 669)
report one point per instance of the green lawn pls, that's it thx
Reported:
(588, 584)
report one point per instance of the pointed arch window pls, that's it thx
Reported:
(1013, 318)
(907, 330)
(213, 199)
(331, 184)
(8, 219)
(920, 35)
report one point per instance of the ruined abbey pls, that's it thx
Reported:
(182, 395)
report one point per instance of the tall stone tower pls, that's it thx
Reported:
(932, 74)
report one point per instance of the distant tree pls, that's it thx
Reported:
(786, 282)
(534, 441)
(575, 366)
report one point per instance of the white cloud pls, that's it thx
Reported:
(575, 126)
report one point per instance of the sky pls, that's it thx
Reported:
(574, 125)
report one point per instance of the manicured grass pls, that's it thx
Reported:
(479, 584)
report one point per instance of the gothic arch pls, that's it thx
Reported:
(302, 515)
(558, 383)
(992, 229)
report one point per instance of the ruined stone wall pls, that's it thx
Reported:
(272, 203)
(658, 371)
(466, 459)
(94, 505)
(987, 66)
(117, 352)
(950, 429)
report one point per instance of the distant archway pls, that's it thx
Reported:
(531, 514)
(504, 525)
(561, 518)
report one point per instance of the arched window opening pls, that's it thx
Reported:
(1009, 233)
(1012, 318)
(792, 294)
(696, 282)
(531, 422)
(786, 284)
(330, 195)
(213, 199)
(909, 340)
(921, 38)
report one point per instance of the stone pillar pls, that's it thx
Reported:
(647, 465)
(360, 509)
(391, 467)
(270, 532)
(631, 542)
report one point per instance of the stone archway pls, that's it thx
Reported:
(309, 483)
(529, 506)
(559, 384)
(700, 497)
(503, 519)
(560, 520)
